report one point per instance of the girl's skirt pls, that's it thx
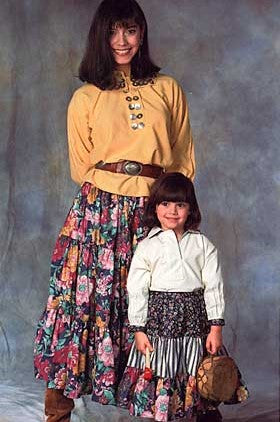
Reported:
(82, 341)
(177, 328)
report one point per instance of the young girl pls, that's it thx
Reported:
(176, 307)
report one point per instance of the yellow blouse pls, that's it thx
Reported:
(145, 123)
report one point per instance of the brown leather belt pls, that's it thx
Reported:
(132, 168)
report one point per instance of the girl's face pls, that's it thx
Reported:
(125, 42)
(173, 215)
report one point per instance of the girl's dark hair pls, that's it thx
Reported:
(98, 63)
(173, 187)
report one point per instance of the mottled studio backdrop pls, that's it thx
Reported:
(226, 54)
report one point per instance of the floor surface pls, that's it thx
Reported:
(23, 402)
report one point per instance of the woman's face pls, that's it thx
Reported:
(125, 42)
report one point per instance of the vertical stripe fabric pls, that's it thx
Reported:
(170, 356)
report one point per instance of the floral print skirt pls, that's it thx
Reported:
(177, 328)
(82, 341)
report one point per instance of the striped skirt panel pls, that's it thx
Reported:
(170, 357)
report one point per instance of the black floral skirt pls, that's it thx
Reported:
(173, 315)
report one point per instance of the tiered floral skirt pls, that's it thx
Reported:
(177, 328)
(82, 341)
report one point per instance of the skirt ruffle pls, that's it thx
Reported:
(166, 398)
(82, 341)
(162, 399)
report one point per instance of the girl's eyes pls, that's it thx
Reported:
(179, 204)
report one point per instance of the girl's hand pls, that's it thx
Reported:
(141, 342)
(214, 340)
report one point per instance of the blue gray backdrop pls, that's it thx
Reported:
(226, 54)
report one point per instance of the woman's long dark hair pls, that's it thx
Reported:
(98, 63)
(173, 187)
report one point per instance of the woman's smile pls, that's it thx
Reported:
(122, 52)
(125, 42)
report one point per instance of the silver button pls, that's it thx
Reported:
(137, 106)
(141, 125)
(131, 106)
(134, 126)
(132, 116)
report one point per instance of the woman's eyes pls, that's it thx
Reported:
(129, 31)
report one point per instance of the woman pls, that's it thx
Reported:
(126, 126)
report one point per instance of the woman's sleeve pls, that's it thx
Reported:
(181, 136)
(138, 284)
(213, 282)
(79, 136)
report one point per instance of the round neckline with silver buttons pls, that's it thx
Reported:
(134, 104)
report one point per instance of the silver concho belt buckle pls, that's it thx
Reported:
(132, 168)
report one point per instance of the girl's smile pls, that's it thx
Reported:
(173, 215)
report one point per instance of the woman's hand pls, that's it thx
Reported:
(214, 339)
(142, 341)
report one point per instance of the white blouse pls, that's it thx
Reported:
(162, 263)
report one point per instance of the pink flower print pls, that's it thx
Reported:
(43, 367)
(123, 248)
(74, 234)
(106, 259)
(82, 294)
(60, 378)
(50, 302)
(87, 257)
(104, 285)
(66, 319)
(114, 216)
(93, 218)
(105, 352)
(105, 218)
(161, 408)
(108, 378)
(147, 414)
(60, 356)
(141, 384)
(51, 318)
(73, 358)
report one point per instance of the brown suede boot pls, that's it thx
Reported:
(57, 407)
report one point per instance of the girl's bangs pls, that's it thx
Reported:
(180, 194)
